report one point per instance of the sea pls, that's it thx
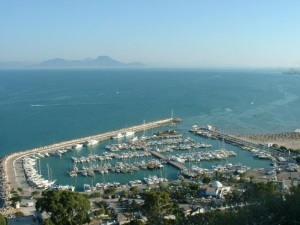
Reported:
(40, 107)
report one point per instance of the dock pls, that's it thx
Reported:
(164, 158)
(230, 139)
(14, 174)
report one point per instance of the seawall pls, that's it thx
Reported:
(8, 178)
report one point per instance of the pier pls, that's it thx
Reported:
(13, 171)
(230, 139)
(164, 158)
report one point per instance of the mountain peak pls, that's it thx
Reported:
(100, 61)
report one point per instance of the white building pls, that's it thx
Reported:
(216, 189)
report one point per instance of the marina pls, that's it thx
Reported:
(137, 160)
(137, 157)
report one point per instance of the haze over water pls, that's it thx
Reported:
(41, 107)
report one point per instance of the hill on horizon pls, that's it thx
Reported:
(101, 61)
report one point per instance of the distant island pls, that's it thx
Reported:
(99, 62)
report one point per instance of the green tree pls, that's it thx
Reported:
(206, 180)
(123, 193)
(95, 195)
(110, 191)
(20, 190)
(35, 193)
(19, 214)
(16, 198)
(134, 189)
(120, 200)
(2, 220)
(156, 206)
(64, 207)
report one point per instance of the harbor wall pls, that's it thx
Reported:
(7, 169)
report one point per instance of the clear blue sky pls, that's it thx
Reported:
(184, 33)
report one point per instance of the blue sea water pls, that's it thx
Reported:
(40, 107)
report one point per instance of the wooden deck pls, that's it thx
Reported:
(162, 157)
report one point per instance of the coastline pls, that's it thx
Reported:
(9, 172)
(288, 140)
(12, 175)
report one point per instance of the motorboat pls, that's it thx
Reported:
(77, 146)
(129, 133)
(87, 188)
(90, 142)
(118, 136)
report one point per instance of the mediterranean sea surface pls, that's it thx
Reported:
(40, 107)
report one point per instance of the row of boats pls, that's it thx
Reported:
(202, 156)
(106, 185)
(33, 178)
(195, 170)
(168, 144)
(107, 157)
(154, 179)
(122, 135)
(119, 167)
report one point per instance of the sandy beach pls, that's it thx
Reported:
(288, 140)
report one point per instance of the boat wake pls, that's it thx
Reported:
(37, 105)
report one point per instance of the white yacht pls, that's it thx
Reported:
(90, 142)
(118, 136)
(129, 133)
(87, 188)
(77, 146)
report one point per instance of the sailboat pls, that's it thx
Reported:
(173, 124)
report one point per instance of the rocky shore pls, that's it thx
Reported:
(288, 140)
(5, 207)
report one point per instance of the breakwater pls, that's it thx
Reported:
(8, 166)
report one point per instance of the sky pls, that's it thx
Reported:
(256, 33)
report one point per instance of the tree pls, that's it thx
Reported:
(19, 214)
(64, 207)
(110, 191)
(134, 189)
(156, 206)
(207, 180)
(16, 198)
(123, 193)
(20, 190)
(2, 220)
(34, 193)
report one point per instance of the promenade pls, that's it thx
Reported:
(12, 174)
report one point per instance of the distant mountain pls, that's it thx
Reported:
(101, 61)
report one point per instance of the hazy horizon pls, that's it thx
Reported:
(176, 34)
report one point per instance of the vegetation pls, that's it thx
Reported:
(95, 195)
(20, 190)
(265, 205)
(19, 214)
(207, 180)
(156, 206)
(134, 189)
(64, 207)
(110, 191)
(35, 193)
(15, 197)
(2, 220)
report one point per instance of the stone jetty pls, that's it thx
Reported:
(11, 172)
